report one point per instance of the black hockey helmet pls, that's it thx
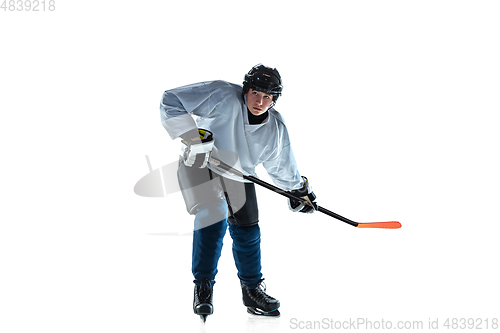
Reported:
(264, 79)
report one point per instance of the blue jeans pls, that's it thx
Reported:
(207, 247)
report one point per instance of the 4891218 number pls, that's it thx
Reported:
(28, 5)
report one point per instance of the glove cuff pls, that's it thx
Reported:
(190, 150)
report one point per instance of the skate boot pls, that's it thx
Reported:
(258, 302)
(202, 303)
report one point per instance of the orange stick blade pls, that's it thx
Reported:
(380, 225)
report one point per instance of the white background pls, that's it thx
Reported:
(392, 111)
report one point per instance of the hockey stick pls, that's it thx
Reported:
(380, 225)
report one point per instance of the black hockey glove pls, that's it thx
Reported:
(308, 205)
(196, 153)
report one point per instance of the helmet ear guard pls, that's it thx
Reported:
(264, 79)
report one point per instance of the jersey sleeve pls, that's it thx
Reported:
(177, 106)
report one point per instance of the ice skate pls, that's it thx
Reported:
(202, 302)
(258, 302)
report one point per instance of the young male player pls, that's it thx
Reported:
(238, 125)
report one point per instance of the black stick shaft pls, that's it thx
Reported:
(280, 191)
(337, 216)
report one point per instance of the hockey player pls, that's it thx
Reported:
(238, 125)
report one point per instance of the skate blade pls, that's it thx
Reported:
(203, 318)
(259, 312)
(204, 312)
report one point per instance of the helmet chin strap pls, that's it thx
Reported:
(272, 104)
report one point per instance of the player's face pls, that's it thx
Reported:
(258, 102)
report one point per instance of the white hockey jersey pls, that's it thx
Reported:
(219, 107)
